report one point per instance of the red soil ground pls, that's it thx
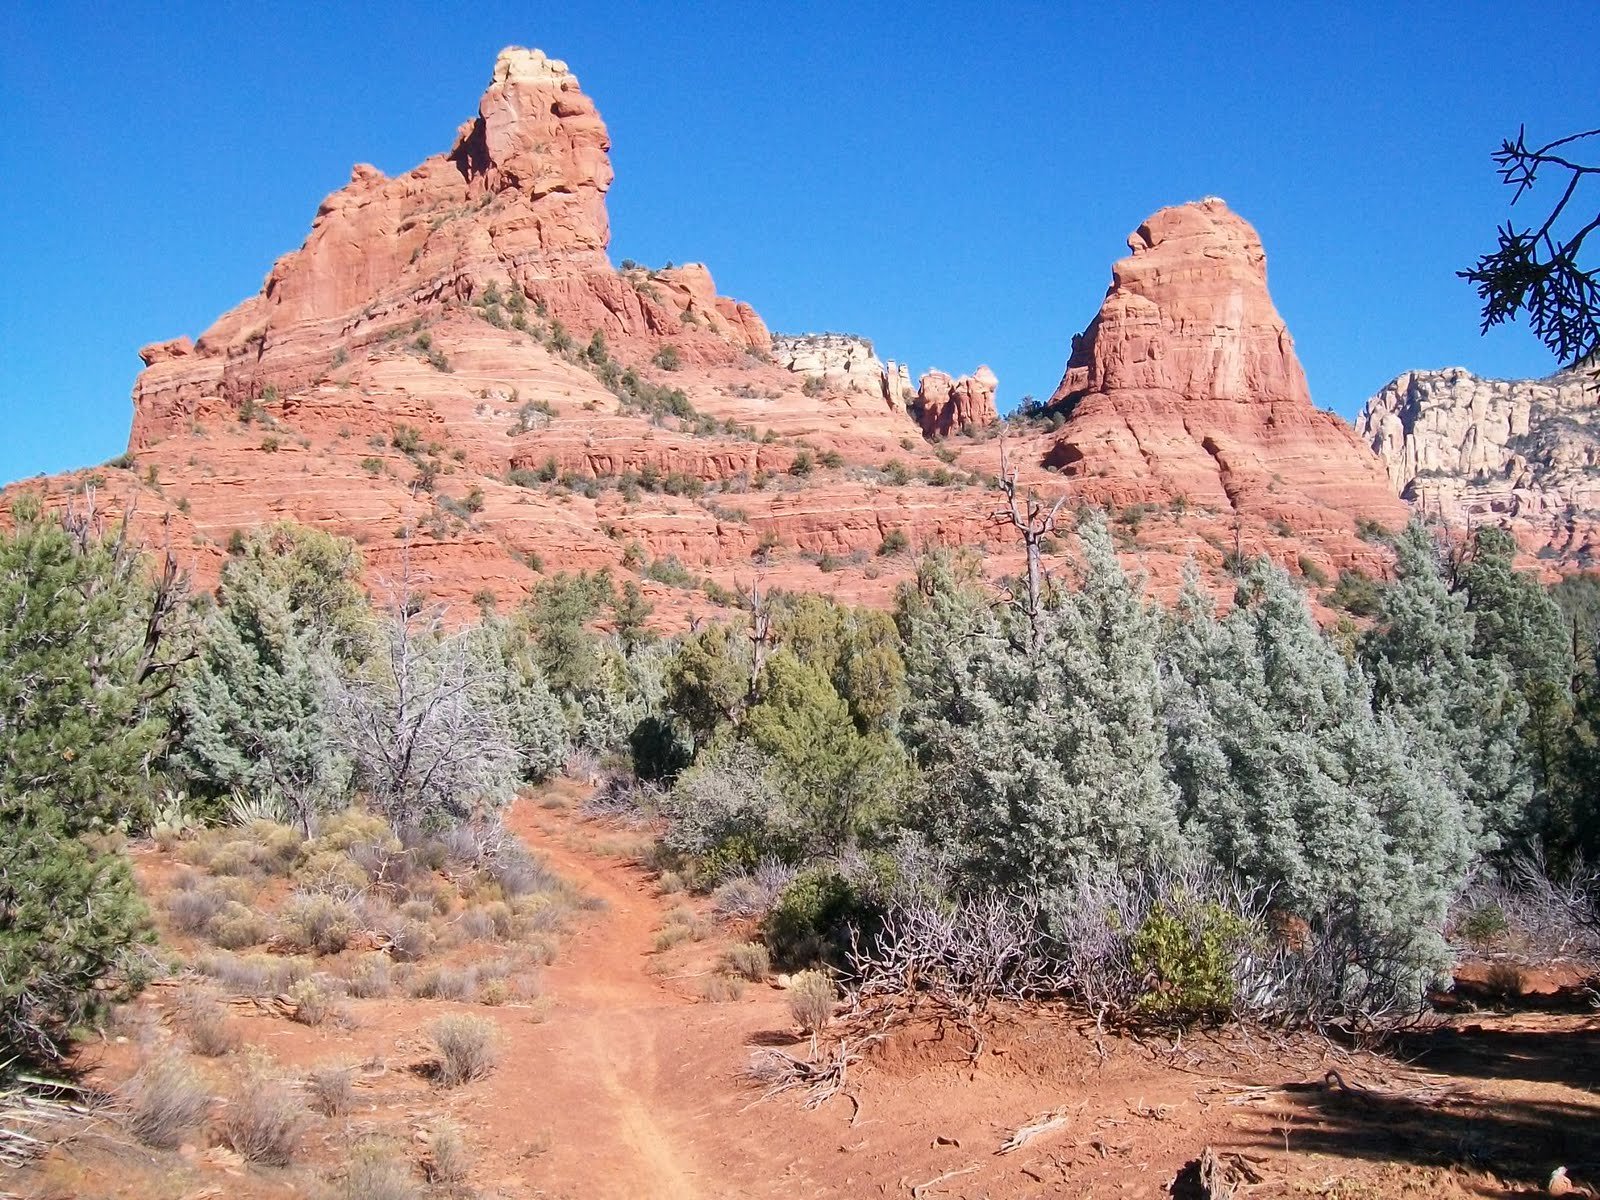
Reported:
(632, 1085)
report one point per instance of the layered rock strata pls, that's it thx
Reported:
(1524, 453)
(1186, 384)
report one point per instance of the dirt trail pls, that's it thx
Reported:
(620, 1057)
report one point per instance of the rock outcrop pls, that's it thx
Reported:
(1524, 453)
(944, 406)
(450, 371)
(1186, 384)
(518, 203)
(840, 360)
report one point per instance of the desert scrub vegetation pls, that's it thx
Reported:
(164, 1100)
(263, 1120)
(358, 911)
(468, 1047)
(934, 827)
(979, 779)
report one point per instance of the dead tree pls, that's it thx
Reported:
(760, 635)
(1034, 522)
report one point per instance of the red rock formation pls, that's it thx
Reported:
(518, 202)
(944, 406)
(372, 391)
(1186, 384)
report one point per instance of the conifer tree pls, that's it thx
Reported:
(1289, 777)
(1458, 710)
(86, 653)
(1041, 742)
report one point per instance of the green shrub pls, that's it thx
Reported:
(668, 358)
(894, 542)
(1185, 954)
(1357, 593)
(811, 916)
(1483, 924)
(802, 464)
(1311, 572)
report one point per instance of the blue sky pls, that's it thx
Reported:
(951, 180)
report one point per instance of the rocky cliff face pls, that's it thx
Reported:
(1524, 453)
(966, 405)
(1186, 384)
(517, 202)
(450, 368)
(840, 360)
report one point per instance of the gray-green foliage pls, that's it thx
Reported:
(731, 808)
(1518, 624)
(254, 710)
(1460, 711)
(533, 715)
(427, 723)
(1288, 776)
(1040, 765)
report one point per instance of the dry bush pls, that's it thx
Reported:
(263, 1121)
(205, 1023)
(330, 871)
(238, 926)
(812, 995)
(755, 894)
(312, 1004)
(445, 983)
(448, 1159)
(494, 993)
(520, 874)
(410, 941)
(318, 923)
(719, 988)
(191, 910)
(1533, 911)
(474, 925)
(468, 1047)
(672, 935)
(164, 1100)
(378, 1171)
(748, 960)
(255, 975)
(543, 950)
(332, 1088)
(370, 979)
(670, 883)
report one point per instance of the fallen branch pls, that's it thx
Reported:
(919, 1190)
(1054, 1119)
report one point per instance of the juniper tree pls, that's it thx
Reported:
(1288, 776)
(1041, 746)
(1518, 624)
(533, 715)
(845, 785)
(87, 636)
(255, 715)
(1460, 711)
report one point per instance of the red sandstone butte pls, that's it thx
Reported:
(1186, 384)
